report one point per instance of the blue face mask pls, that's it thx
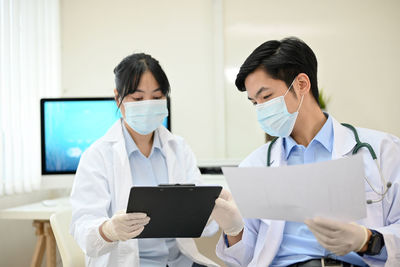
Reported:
(145, 116)
(274, 118)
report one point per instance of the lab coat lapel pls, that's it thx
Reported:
(270, 240)
(277, 154)
(128, 252)
(277, 159)
(122, 174)
(121, 167)
(272, 230)
(176, 173)
(343, 144)
(343, 140)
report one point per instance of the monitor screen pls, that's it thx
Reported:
(70, 125)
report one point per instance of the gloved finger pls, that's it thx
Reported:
(325, 223)
(225, 194)
(214, 212)
(143, 221)
(136, 215)
(136, 232)
(323, 238)
(119, 216)
(323, 233)
(121, 228)
(315, 228)
(128, 230)
(221, 203)
(130, 218)
(125, 236)
(126, 222)
(134, 228)
(120, 212)
(327, 241)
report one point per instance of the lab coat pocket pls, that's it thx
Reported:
(128, 253)
(125, 247)
(374, 211)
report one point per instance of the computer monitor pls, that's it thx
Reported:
(70, 125)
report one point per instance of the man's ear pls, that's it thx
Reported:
(116, 96)
(302, 84)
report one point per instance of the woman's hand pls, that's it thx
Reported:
(123, 226)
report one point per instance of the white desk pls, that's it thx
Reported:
(40, 214)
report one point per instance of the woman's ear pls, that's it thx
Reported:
(302, 84)
(116, 96)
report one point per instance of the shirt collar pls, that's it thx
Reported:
(324, 137)
(131, 146)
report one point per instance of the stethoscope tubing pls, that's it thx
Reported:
(357, 147)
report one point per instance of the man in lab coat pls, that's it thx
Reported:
(280, 78)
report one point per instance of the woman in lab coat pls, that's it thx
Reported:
(136, 150)
(280, 78)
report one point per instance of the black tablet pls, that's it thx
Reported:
(174, 210)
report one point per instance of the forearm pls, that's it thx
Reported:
(90, 239)
(239, 254)
(364, 248)
(232, 240)
(390, 251)
(102, 233)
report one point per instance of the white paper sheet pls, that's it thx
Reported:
(332, 189)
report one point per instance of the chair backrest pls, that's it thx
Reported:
(71, 254)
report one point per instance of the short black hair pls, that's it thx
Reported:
(129, 71)
(283, 60)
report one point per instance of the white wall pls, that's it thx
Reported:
(96, 35)
(356, 43)
(357, 47)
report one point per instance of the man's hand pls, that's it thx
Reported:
(227, 215)
(338, 237)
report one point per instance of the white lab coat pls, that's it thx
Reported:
(102, 186)
(382, 216)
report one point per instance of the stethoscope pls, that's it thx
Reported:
(357, 147)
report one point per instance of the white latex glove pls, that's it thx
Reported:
(124, 226)
(338, 237)
(227, 215)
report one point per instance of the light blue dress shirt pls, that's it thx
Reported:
(152, 171)
(298, 243)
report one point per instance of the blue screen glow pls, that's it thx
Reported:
(70, 127)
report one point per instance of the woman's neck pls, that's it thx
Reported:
(143, 142)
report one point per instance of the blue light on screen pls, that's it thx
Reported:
(70, 127)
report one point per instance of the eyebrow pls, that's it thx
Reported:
(262, 89)
(155, 90)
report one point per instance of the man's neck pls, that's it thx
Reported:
(309, 122)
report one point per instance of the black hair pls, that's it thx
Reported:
(129, 71)
(282, 60)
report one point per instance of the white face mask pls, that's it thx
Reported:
(274, 118)
(145, 116)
